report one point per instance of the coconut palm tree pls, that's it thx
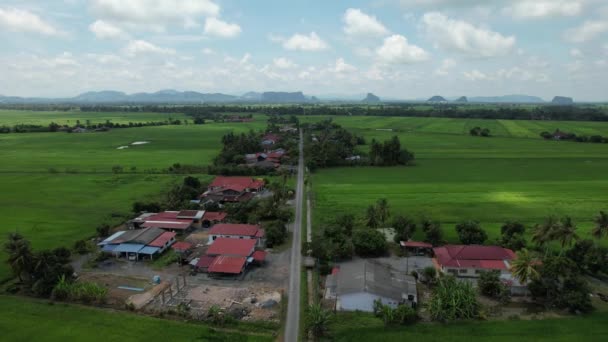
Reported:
(317, 320)
(566, 232)
(523, 267)
(545, 231)
(19, 254)
(601, 225)
(372, 218)
(383, 210)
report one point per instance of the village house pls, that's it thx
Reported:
(355, 285)
(228, 256)
(469, 261)
(174, 221)
(416, 247)
(232, 189)
(237, 231)
(138, 244)
(211, 218)
(270, 139)
(265, 160)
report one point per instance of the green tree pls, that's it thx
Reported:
(523, 267)
(470, 233)
(372, 217)
(369, 242)
(19, 254)
(489, 284)
(512, 235)
(432, 231)
(317, 320)
(545, 232)
(404, 228)
(346, 222)
(565, 232)
(601, 225)
(383, 210)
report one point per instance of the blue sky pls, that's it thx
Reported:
(402, 49)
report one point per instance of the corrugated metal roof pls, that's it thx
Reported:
(109, 248)
(149, 250)
(227, 264)
(111, 237)
(234, 229)
(129, 248)
(162, 239)
(235, 247)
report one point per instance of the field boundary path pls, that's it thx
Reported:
(293, 303)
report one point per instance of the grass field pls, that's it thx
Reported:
(364, 327)
(458, 177)
(23, 319)
(15, 117)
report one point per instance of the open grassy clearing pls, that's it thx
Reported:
(505, 128)
(23, 319)
(460, 177)
(365, 327)
(14, 117)
(97, 152)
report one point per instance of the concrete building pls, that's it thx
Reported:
(355, 285)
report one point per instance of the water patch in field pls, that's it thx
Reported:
(122, 147)
(140, 142)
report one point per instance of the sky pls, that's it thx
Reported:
(399, 49)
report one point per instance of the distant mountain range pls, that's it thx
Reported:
(191, 97)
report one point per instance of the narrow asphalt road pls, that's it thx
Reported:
(293, 303)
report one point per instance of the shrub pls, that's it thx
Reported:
(470, 233)
(453, 300)
(369, 242)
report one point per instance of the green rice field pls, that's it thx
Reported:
(16, 117)
(515, 175)
(24, 320)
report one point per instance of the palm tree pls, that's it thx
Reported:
(371, 217)
(317, 320)
(544, 232)
(523, 267)
(19, 254)
(566, 232)
(383, 210)
(601, 225)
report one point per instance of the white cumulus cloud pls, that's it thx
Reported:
(303, 42)
(219, 28)
(18, 20)
(155, 13)
(104, 30)
(397, 50)
(445, 66)
(138, 47)
(342, 67)
(589, 30)
(357, 23)
(283, 63)
(466, 38)
(529, 9)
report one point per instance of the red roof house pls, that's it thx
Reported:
(232, 189)
(232, 247)
(471, 260)
(182, 246)
(227, 264)
(237, 231)
(171, 220)
(164, 240)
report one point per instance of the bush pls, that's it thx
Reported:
(402, 314)
(453, 300)
(430, 274)
(369, 242)
(470, 233)
(489, 284)
(103, 230)
(276, 233)
(81, 247)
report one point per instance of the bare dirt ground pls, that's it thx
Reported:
(117, 297)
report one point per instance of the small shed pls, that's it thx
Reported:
(416, 247)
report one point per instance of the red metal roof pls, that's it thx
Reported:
(214, 216)
(227, 264)
(182, 246)
(259, 256)
(205, 261)
(416, 244)
(229, 246)
(235, 229)
(162, 239)
(235, 183)
(473, 256)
